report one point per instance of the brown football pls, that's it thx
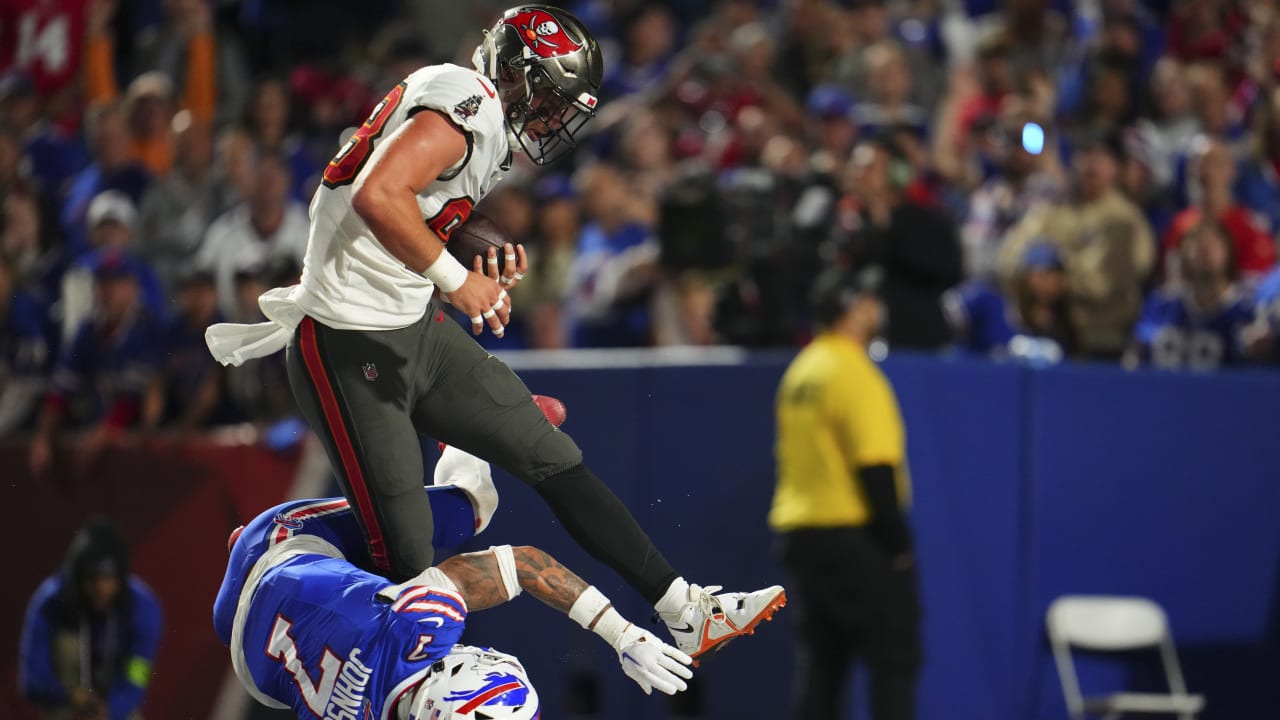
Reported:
(475, 237)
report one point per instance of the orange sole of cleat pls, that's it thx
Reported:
(765, 616)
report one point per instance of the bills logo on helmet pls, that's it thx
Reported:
(288, 522)
(542, 34)
(498, 689)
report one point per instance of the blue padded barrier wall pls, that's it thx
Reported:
(1027, 484)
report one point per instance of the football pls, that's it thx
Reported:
(552, 408)
(475, 237)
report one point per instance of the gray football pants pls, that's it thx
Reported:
(368, 394)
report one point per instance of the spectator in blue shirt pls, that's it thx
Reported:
(187, 392)
(24, 350)
(102, 375)
(1035, 325)
(650, 37)
(90, 634)
(1201, 322)
(613, 276)
(52, 154)
(113, 168)
(112, 222)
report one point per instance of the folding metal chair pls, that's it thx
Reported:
(1116, 624)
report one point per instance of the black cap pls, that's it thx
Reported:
(196, 276)
(16, 83)
(1102, 139)
(836, 290)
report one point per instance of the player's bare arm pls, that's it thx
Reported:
(644, 658)
(385, 194)
(542, 576)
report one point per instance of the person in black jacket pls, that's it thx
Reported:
(884, 227)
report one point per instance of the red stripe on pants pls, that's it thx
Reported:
(338, 429)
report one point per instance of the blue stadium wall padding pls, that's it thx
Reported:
(1027, 484)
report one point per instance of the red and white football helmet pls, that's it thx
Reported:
(548, 69)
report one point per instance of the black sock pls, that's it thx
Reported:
(603, 526)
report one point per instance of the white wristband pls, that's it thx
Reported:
(592, 606)
(446, 272)
(507, 569)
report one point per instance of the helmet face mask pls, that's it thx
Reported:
(548, 71)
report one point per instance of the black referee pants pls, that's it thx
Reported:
(368, 394)
(849, 602)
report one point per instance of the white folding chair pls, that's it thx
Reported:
(1115, 624)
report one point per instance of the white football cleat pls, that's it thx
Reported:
(707, 622)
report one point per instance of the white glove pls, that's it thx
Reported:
(645, 659)
(652, 663)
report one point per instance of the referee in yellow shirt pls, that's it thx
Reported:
(838, 513)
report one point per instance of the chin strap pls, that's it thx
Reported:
(485, 58)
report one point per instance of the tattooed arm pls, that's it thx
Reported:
(542, 576)
(480, 578)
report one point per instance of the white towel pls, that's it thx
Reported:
(233, 344)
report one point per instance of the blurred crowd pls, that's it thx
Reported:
(1027, 180)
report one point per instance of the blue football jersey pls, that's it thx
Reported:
(331, 641)
(1174, 334)
(332, 520)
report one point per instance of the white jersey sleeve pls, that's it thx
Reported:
(349, 280)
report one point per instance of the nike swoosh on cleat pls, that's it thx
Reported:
(686, 629)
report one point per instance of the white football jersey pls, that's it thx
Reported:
(349, 280)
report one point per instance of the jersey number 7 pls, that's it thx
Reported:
(350, 160)
(282, 648)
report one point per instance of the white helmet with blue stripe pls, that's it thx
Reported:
(473, 683)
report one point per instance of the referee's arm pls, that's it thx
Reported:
(888, 525)
(878, 442)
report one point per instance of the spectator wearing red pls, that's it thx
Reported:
(994, 75)
(1205, 29)
(1212, 177)
(976, 94)
(44, 39)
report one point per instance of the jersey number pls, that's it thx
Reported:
(315, 694)
(48, 44)
(451, 215)
(346, 165)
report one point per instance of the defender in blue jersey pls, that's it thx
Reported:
(311, 631)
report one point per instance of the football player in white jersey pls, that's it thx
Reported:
(372, 359)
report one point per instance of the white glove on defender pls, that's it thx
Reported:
(653, 664)
(645, 659)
